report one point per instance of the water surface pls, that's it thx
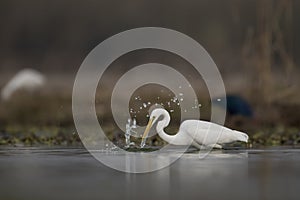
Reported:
(72, 173)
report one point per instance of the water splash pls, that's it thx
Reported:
(129, 130)
(143, 143)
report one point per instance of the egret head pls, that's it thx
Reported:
(155, 114)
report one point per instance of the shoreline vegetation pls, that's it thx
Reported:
(57, 136)
(41, 119)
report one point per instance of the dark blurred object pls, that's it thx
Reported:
(236, 105)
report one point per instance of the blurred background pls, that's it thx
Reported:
(254, 44)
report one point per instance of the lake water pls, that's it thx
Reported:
(72, 173)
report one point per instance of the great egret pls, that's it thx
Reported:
(196, 132)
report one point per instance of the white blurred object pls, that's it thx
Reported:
(26, 79)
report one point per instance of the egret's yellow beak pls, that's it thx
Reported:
(148, 128)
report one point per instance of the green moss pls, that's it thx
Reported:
(32, 136)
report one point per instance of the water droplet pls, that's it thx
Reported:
(171, 111)
(145, 105)
(181, 99)
(199, 105)
(134, 123)
(218, 99)
(185, 110)
(141, 108)
(180, 87)
(149, 102)
(180, 94)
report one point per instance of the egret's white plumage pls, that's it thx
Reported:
(196, 132)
